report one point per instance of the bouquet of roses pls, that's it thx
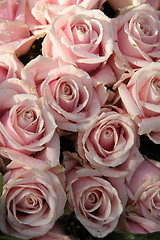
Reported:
(79, 119)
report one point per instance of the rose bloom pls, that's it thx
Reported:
(141, 98)
(68, 93)
(142, 212)
(56, 233)
(116, 4)
(10, 67)
(15, 37)
(76, 36)
(93, 199)
(138, 38)
(108, 141)
(39, 68)
(31, 202)
(24, 124)
(45, 10)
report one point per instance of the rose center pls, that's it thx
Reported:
(145, 29)
(156, 85)
(107, 139)
(82, 28)
(66, 90)
(29, 116)
(92, 198)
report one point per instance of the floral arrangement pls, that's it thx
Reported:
(79, 119)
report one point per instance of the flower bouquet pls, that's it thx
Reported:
(79, 119)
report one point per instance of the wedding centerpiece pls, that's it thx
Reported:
(79, 119)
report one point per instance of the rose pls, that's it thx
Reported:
(108, 141)
(11, 10)
(37, 70)
(137, 224)
(24, 124)
(141, 98)
(44, 11)
(76, 36)
(143, 189)
(69, 94)
(56, 233)
(10, 66)
(116, 4)
(93, 199)
(31, 202)
(15, 37)
(138, 38)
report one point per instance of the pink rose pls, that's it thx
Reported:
(138, 38)
(45, 10)
(12, 10)
(39, 14)
(15, 37)
(31, 202)
(143, 189)
(76, 36)
(116, 4)
(39, 68)
(24, 124)
(10, 67)
(95, 201)
(141, 98)
(68, 93)
(108, 141)
(56, 233)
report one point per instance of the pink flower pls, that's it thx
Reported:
(143, 189)
(116, 4)
(108, 141)
(24, 124)
(31, 202)
(138, 38)
(37, 70)
(10, 67)
(76, 36)
(68, 93)
(39, 14)
(95, 201)
(141, 98)
(56, 233)
(15, 37)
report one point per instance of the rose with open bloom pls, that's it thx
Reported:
(56, 233)
(138, 38)
(108, 141)
(116, 4)
(31, 202)
(10, 67)
(24, 124)
(95, 201)
(143, 212)
(68, 93)
(141, 99)
(80, 37)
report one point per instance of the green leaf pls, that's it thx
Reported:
(1, 183)
(7, 237)
(132, 236)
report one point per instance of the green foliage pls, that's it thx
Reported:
(132, 236)
(7, 237)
